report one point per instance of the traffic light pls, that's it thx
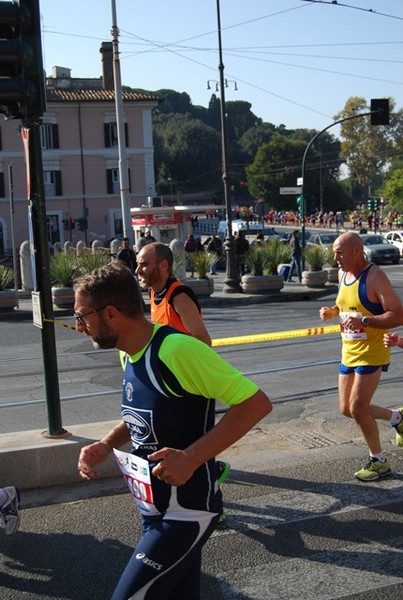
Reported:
(22, 84)
(72, 223)
(66, 224)
(300, 201)
(380, 111)
(82, 223)
(372, 203)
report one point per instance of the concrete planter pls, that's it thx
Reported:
(332, 274)
(8, 299)
(201, 287)
(314, 279)
(63, 297)
(262, 284)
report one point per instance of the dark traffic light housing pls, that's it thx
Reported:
(22, 84)
(380, 111)
(82, 223)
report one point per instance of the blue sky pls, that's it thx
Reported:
(295, 61)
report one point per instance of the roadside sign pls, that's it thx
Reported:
(37, 309)
(284, 191)
(300, 181)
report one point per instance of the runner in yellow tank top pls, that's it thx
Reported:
(367, 307)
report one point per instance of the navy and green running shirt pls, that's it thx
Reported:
(168, 402)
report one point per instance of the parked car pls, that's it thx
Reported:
(379, 250)
(395, 238)
(322, 239)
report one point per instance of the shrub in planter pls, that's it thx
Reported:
(6, 277)
(64, 268)
(277, 253)
(256, 259)
(315, 256)
(202, 261)
(8, 296)
(92, 261)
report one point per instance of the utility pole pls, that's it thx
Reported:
(123, 168)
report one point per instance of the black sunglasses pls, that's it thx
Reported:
(81, 318)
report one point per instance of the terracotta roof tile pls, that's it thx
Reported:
(60, 95)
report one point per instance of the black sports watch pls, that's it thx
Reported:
(365, 321)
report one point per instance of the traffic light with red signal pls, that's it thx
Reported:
(22, 83)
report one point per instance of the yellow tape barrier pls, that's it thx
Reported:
(247, 339)
(279, 335)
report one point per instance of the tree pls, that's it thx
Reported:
(255, 137)
(365, 148)
(187, 150)
(392, 191)
(277, 164)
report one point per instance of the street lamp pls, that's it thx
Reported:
(232, 280)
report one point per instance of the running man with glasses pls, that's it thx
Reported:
(169, 418)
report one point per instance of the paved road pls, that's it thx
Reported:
(298, 527)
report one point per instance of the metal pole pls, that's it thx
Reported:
(123, 169)
(39, 227)
(15, 264)
(232, 279)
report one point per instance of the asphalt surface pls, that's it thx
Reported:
(298, 524)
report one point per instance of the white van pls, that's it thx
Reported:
(251, 228)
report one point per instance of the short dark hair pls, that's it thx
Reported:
(113, 284)
(163, 252)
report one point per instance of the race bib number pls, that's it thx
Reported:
(136, 472)
(349, 333)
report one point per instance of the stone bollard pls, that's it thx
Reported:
(179, 266)
(80, 248)
(114, 247)
(27, 281)
(95, 245)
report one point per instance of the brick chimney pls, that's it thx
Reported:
(107, 65)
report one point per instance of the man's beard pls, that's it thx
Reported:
(104, 340)
(150, 279)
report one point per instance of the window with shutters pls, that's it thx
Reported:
(49, 136)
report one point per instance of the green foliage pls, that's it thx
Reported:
(256, 259)
(277, 252)
(6, 277)
(393, 189)
(264, 259)
(185, 146)
(316, 257)
(64, 268)
(202, 261)
(330, 259)
(365, 148)
(92, 261)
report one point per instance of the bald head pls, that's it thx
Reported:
(154, 265)
(348, 251)
(349, 240)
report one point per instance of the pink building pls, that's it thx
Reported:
(80, 159)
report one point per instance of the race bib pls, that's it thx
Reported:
(348, 333)
(136, 472)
